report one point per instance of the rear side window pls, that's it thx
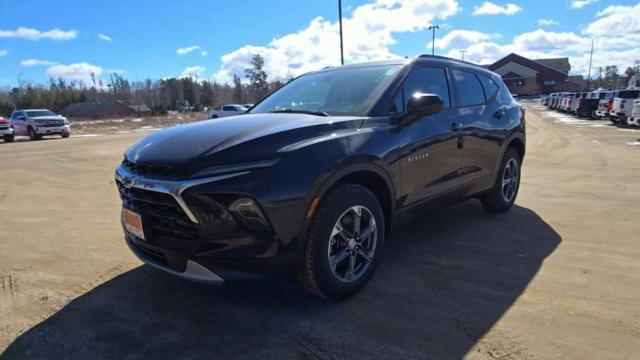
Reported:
(228, 108)
(428, 80)
(470, 89)
(490, 87)
(629, 94)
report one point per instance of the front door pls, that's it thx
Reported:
(430, 152)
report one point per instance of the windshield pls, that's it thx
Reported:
(37, 113)
(335, 92)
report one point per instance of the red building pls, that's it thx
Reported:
(531, 77)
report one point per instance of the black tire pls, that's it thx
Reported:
(317, 274)
(496, 199)
(8, 138)
(33, 135)
(214, 117)
(65, 135)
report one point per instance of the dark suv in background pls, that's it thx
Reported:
(312, 179)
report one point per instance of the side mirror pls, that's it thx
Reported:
(22, 118)
(421, 104)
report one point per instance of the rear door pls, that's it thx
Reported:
(484, 111)
(430, 154)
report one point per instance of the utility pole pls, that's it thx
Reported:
(341, 46)
(462, 52)
(20, 87)
(433, 38)
(590, 60)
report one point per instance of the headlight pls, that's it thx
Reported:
(232, 168)
(66, 122)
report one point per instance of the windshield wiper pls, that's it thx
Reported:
(294, 111)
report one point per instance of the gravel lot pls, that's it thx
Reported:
(555, 278)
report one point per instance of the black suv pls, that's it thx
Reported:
(312, 179)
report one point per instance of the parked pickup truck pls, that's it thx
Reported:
(38, 122)
(6, 130)
(227, 110)
(634, 118)
(622, 103)
(588, 105)
(605, 104)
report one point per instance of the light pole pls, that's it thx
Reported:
(341, 46)
(433, 38)
(462, 52)
(20, 87)
(590, 59)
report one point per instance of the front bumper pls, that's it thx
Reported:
(44, 130)
(192, 270)
(7, 131)
(186, 224)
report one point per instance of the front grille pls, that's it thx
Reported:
(51, 124)
(156, 170)
(161, 214)
(4, 126)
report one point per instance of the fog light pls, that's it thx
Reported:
(249, 212)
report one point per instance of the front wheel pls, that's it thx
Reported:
(8, 138)
(505, 189)
(344, 243)
(33, 135)
(65, 135)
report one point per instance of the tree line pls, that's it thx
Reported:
(609, 77)
(160, 95)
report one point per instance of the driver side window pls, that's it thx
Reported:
(428, 80)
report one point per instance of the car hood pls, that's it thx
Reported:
(233, 139)
(56, 117)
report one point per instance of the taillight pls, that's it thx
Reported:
(610, 105)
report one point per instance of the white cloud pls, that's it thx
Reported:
(78, 71)
(459, 39)
(35, 35)
(204, 53)
(547, 22)
(193, 71)
(368, 34)
(489, 8)
(3, 52)
(541, 40)
(36, 62)
(105, 37)
(186, 50)
(616, 19)
(579, 4)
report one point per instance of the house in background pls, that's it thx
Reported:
(104, 109)
(532, 77)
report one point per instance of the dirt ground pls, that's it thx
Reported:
(557, 277)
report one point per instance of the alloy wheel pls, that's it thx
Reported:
(510, 179)
(352, 244)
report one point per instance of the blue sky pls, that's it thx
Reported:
(215, 39)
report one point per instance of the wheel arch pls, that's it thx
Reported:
(367, 173)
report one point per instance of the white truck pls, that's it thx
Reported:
(634, 118)
(227, 110)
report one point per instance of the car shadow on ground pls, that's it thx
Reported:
(445, 280)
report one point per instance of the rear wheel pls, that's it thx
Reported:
(33, 135)
(505, 189)
(344, 243)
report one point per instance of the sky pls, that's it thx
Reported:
(215, 39)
